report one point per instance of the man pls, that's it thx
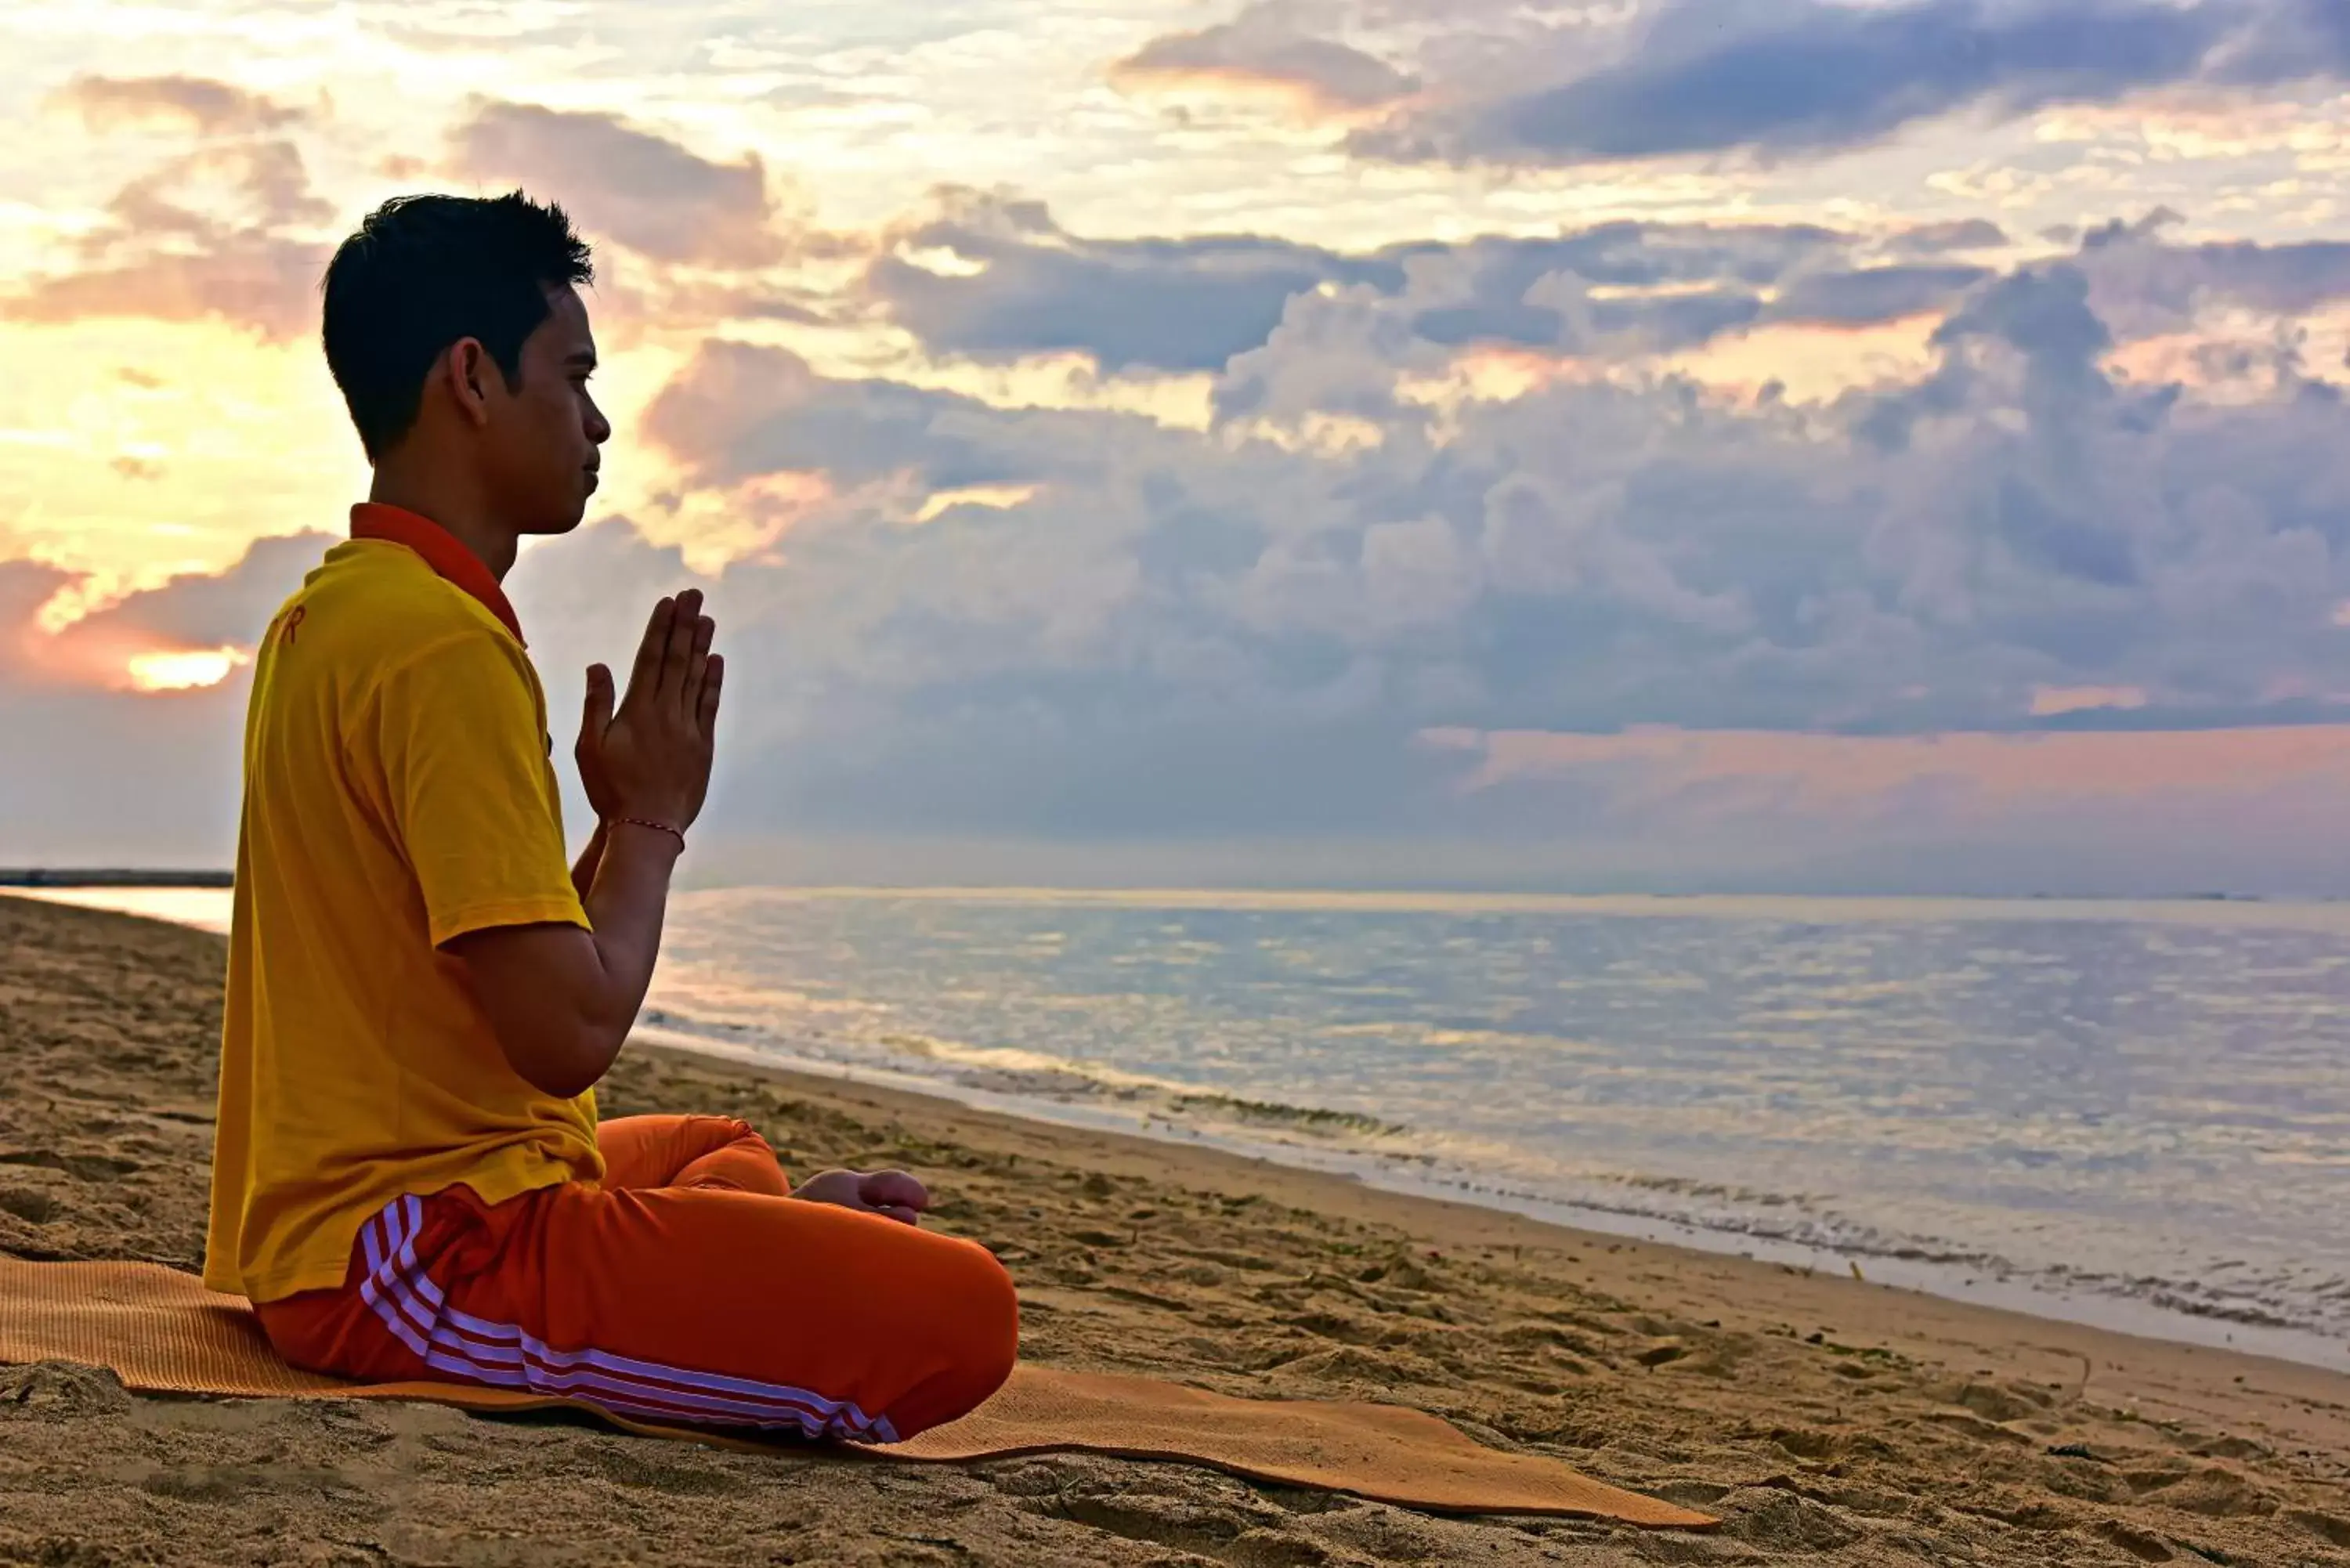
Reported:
(409, 1179)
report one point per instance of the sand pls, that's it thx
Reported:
(1827, 1421)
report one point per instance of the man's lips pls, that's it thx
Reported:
(591, 481)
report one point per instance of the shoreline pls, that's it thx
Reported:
(1827, 1422)
(2142, 1372)
(1952, 1282)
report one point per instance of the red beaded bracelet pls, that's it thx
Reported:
(656, 826)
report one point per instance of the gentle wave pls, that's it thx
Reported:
(1026, 1073)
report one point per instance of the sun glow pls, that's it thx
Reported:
(184, 670)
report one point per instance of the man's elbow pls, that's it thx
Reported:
(565, 1061)
(564, 1083)
(545, 994)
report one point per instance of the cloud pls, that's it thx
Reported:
(2294, 40)
(25, 587)
(1866, 776)
(2159, 813)
(739, 409)
(630, 185)
(261, 284)
(1796, 76)
(2054, 701)
(192, 631)
(1259, 49)
(1953, 234)
(206, 611)
(118, 774)
(1021, 285)
(1874, 293)
(224, 230)
(199, 104)
(222, 233)
(2145, 285)
(1621, 287)
(993, 277)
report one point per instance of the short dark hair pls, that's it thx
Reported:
(423, 272)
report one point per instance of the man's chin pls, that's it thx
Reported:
(554, 526)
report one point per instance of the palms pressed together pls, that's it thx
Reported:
(647, 759)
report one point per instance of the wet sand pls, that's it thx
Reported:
(1826, 1420)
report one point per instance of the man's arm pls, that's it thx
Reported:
(583, 870)
(560, 999)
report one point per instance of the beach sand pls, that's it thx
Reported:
(1826, 1421)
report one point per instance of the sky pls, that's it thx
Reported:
(1807, 445)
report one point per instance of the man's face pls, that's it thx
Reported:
(546, 430)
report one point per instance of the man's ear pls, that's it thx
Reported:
(464, 369)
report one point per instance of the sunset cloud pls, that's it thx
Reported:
(197, 104)
(2165, 813)
(1262, 51)
(258, 282)
(185, 668)
(1023, 285)
(1952, 234)
(219, 233)
(2054, 701)
(997, 277)
(1781, 77)
(127, 741)
(1874, 293)
(630, 185)
(1955, 776)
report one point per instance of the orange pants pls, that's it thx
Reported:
(688, 1287)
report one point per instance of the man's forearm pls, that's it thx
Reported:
(562, 1000)
(627, 901)
(583, 870)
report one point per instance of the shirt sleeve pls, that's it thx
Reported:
(471, 790)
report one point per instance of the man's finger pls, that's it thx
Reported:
(696, 667)
(713, 676)
(596, 717)
(679, 648)
(644, 678)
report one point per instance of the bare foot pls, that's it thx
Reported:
(892, 1194)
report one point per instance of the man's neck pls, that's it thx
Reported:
(456, 508)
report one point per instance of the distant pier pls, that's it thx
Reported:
(115, 878)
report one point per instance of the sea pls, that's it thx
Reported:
(2132, 1114)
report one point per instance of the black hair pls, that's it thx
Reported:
(423, 272)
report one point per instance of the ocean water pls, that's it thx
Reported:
(2130, 1114)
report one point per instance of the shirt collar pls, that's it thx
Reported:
(440, 550)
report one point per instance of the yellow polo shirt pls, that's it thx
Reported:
(399, 793)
